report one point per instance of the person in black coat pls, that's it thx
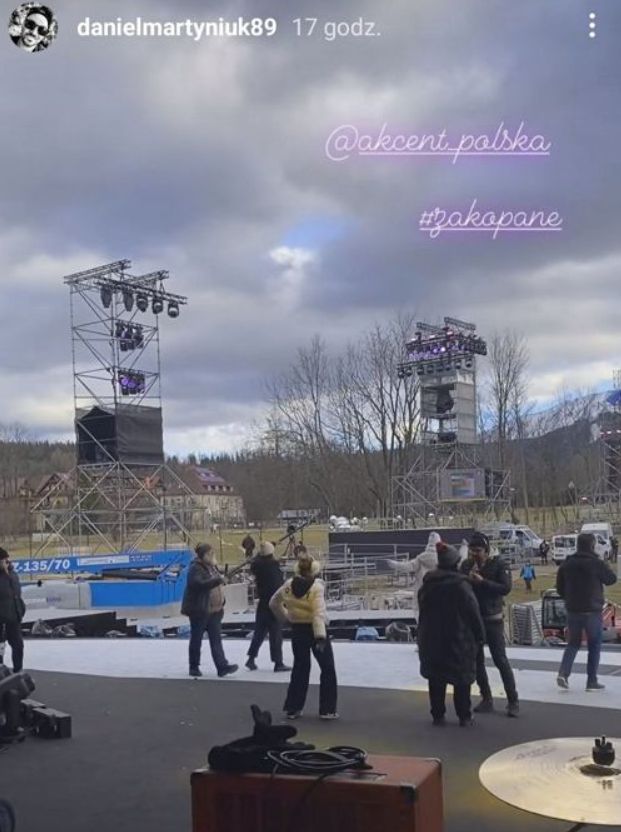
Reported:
(248, 545)
(580, 581)
(450, 632)
(12, 609)
(203, 603)
(491, 581)
(268, 579)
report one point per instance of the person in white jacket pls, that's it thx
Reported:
(300, 601)
(419, 566)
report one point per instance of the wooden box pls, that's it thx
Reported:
(401, 794)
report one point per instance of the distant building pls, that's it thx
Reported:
(201, 499)
(209, 499)
(54, 492)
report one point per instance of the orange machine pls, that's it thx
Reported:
(400, 794)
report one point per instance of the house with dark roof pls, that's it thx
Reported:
(211, 497)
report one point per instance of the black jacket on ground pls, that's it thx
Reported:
(202, 578)
(12, 607)
(580, 581)
(268, 576)
(496, 583)
(450, 628)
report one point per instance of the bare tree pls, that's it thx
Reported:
(377, 411)
(506, 384)
(351, 418)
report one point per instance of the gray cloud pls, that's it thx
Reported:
(204, 158)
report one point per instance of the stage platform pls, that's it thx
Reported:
(359, 664)
(136, 741)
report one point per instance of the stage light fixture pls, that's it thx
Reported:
(132, 383)
(142, 302)
(157, 305)
(106, 296)
(118, 329)
(173, 309)
(128, 299)
(138, 337)
(129, 337)
(469, 363)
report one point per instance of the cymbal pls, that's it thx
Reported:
(557, 778)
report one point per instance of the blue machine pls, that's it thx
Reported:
(165, 576)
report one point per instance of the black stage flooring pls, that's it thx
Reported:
(135, 743)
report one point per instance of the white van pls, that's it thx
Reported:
(564, 545)
(521, 538)
(603, 529)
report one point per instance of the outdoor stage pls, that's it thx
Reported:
(136, 740)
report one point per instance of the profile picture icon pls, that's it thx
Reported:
(32, 27)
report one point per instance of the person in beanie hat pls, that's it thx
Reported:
(419, 566)
(203, 603)
(268, 579)
(301, 601)
(450, 633)
(12, 609)
(491, 581)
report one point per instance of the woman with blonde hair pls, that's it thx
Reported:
(301, 602)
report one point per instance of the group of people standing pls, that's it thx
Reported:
(299, 602)
(458, 597)
(460, 606)
(461, 609)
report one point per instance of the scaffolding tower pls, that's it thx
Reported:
(607, 433)
(448, 479)
(121, 486)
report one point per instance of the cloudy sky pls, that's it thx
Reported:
(208, 159)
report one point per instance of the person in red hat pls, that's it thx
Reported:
(450, 632)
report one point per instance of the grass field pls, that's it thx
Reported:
(228, 546)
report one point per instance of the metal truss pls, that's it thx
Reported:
(417, 495)
(607, 487)
(118, 508)
(116, 505)
(446, 355)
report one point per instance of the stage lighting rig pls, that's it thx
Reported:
(106, 296)
(132, 382)
(173, 309)
(457, 324)
(157, 305)
(128, 299)
(142, 302)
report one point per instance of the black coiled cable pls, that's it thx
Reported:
(333, 760)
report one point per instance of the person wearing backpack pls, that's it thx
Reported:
(203, 603)
(301, 602)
